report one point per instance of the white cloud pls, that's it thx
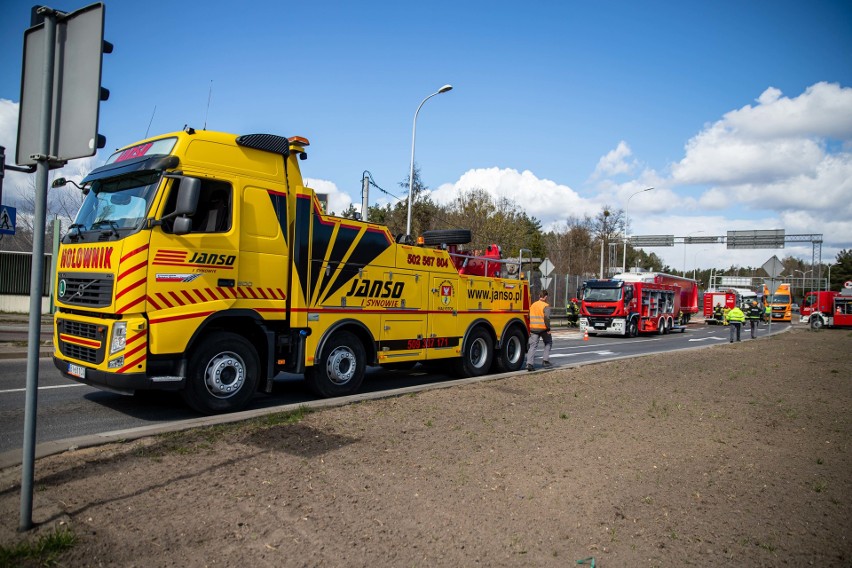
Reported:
(777, 139)
(543, 199)
(615, 162)
(338, 201)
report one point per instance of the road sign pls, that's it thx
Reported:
(773, 267)
(847, 284)
(75, 65)
(7, 220)
(652, 241)
(546, 267)
(772, 238)
(545, 282)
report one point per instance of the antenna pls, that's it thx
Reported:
(209, 96)
(150, 121)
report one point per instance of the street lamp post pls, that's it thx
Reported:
(828, 282)
(802, 287)
(684, 249)
(603, 241)
(443, 89)
(695, 260)
(626, 225)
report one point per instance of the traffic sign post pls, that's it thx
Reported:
(7, 220)
(546, 268)
(773, 268)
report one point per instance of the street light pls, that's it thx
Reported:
(828, 283)
(626, 225)
(802, 287)
(695, 260)
(443, 89)
(684, 249)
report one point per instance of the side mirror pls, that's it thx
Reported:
(182, 226)
(187, 199)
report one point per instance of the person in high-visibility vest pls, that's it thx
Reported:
(539, 330)
(736, 317)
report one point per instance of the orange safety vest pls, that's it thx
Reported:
(537, 316)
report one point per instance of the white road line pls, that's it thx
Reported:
(7, 391)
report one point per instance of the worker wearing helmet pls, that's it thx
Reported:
(753, 316)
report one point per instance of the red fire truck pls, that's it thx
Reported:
(827, 309)
(712, 298)
(688, 289)
(616, 307)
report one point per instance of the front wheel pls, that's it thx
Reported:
(339, 370)
(223, 374)
(512, 351)
(477, 354)
(817, 323)
(632, 328)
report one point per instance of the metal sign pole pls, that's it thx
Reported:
(34, 336)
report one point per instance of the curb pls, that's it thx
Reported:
(42, 354)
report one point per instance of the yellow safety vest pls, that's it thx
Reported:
(537, 316)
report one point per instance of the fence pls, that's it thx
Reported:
(16, 273)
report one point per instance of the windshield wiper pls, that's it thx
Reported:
(112, 224)
(74, 231)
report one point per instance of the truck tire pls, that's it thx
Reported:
(223, 375)
(340, 368)
(477, 354)
(632, 328)
(512, 351)
(817, 323)
(447, 237)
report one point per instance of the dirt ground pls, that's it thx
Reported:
(738, 455)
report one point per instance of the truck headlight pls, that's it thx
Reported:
(119, 337)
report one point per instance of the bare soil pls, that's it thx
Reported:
(736, 455)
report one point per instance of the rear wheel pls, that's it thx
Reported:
(510, 357)
(477, 354)
(224, 374)
(340, 368)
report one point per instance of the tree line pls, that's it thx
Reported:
(574, 246)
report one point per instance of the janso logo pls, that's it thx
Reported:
(212, 259)
(375, 289)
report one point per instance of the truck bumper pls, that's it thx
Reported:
(603, 326)
(125, 383)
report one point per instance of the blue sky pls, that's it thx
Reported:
(739, 114)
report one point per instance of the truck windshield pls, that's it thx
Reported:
(602, 294)
(117, 203)
(781, 299)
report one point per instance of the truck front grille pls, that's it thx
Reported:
(88, 331)
(600, 311)
(85, 289)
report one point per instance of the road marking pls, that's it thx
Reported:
(7, 391)
(602, 353)
(712, 337)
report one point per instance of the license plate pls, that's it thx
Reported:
(600, 325)
(77, 370)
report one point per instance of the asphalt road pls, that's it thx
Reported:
(68, 410)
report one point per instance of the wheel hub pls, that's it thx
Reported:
(225, 376)
(341, 366)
